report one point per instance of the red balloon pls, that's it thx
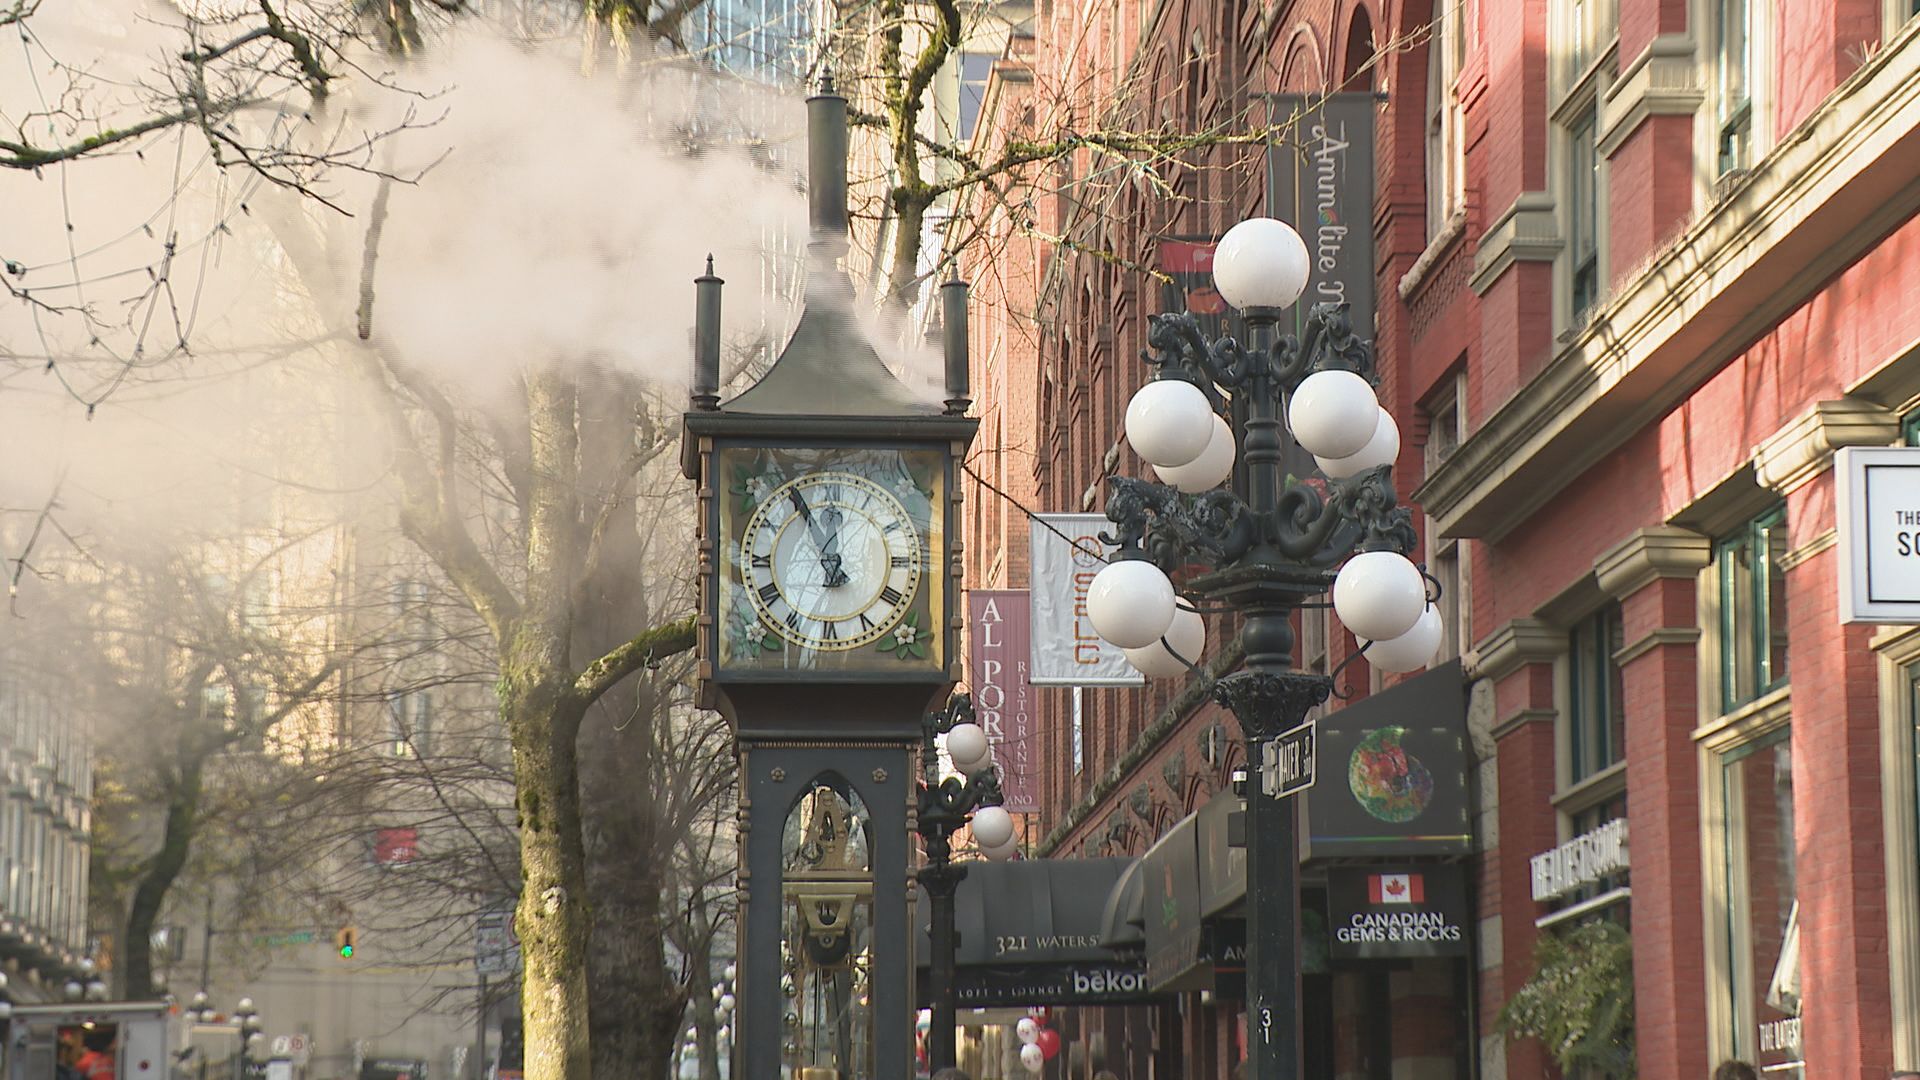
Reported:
(1041, 1014)
(1049, 1043)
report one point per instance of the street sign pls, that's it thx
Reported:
(1286, 763)
(495, 952)
(297, 1048)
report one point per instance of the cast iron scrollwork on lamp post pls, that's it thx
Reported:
(1262, 548)
(945, 807)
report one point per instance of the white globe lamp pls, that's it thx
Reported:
(1379, 595)
(1210, 469)
(1333, 414)
(1187, 636)
(992, 826)
(1003, 852)
(1412, 650)
(1130, 603)
(1382, 449)
(1261, 263)
(1167, 422)
(967, 746)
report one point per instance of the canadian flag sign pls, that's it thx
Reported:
(1396, 889)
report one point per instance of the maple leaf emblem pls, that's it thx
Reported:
(1394, 887)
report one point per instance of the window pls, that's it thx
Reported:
(410, 724)
(1910, 425)
(1760, 918)
(1586, 37)
(1079, 733)
(1583, 210)
(1597, 714)
(1733, 75)
(1753, 610)
(974, 69)
(1446, 51)
(1446, 556)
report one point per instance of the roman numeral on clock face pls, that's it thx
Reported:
(763, 562)
(831, 632)
(769, 593)
(891, 595)
(902, 562)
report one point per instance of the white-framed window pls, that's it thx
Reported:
(1446, 414)
(410, 724)
(1899, 663)
(1446, 155)
(1584, 61)
(1733, 84)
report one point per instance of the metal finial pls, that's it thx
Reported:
(709, 264)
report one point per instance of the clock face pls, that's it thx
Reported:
(831, 561)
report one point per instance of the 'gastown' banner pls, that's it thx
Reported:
(1320, 181)
(999, 654)
(1066, 651)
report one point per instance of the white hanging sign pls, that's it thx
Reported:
(1066, 554)
(1877, 507)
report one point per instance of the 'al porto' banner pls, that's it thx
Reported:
(999, 654)
(1066, 555)
(1320, 181)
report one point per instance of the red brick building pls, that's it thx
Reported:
(1642, 266)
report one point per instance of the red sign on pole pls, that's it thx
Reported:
(392, 847)
(999, 657)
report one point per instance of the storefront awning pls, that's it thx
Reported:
(1031, 933)
(1123, 924)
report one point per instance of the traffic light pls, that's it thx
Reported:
(345, 940)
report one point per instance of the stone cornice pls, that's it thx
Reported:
(1653, 639)
(1662, 81)
(1804, 448)
(1513, 646)
(1663, 551)
(1827, 193)
(1526, 232)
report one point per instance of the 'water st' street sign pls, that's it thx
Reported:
(1286, 763)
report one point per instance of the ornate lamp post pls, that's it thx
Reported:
(1267, 547)
(946, 806)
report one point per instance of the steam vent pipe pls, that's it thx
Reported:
(706, 340)
(953, 320)
(827, 161)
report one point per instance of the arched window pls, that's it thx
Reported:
(1357, 69)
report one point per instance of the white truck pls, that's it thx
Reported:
(142, 1039)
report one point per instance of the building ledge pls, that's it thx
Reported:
(1824, 196)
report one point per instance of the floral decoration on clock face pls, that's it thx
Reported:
(830, 559)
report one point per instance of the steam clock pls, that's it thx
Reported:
(829, 556)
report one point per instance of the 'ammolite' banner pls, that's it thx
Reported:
(1066, 652)
(1320, 181)
(999, 654)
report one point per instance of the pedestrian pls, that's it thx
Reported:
(1735, 1070)
(97, 1062)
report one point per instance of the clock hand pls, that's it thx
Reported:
(806, 514)
(830, 557)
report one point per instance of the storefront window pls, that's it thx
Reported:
(1760, 919)
(1753, 609)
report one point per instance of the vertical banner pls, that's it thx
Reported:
(1320, 181)
(1066, 554)
(999, 656)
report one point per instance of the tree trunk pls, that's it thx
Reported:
(183, 811)
(552, 919)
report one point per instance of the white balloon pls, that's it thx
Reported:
(1167, 422)
(1187, 635)
(1379, 595)
(1032, 1058)
(1028, 1029)
(992, 826)
(1130, 603)
(1261, 262)
(1382, 449)
(1333, 414)
(1210, 469)
(966, 745)
(1412, 650)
